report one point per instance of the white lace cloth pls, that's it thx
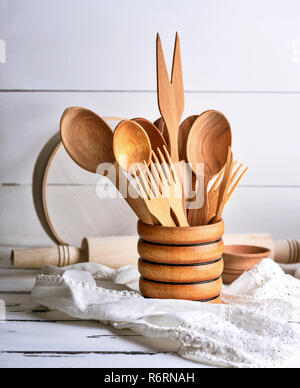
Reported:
(258, 329)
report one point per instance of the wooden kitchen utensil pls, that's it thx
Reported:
(170, 184)
(131, 145)
(184, 131)
(47, 163)
(113, 251)
(89, 142)
(213, 193)
(161, 126)
(156, 138)
(157, 202)
(208, 142)
(287, 251)
(170, 94)
(181, 263)
(224, 187)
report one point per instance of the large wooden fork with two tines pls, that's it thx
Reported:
(170, 94)
(161, 189)
(213, 193)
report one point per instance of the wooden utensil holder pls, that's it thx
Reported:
(181, 263)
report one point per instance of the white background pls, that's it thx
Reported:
(239, 56)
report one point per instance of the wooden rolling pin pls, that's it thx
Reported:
(287, 251)
(117, 251)
(113, 252)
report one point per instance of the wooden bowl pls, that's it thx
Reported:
(241, 258)
(181, 263)
(229, 278)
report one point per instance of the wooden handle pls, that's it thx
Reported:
(113, 252)
(59, 256)
(287, 251)
(131, 196)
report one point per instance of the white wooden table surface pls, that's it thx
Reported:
(34, 337)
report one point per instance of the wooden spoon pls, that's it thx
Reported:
(156, 138)
(184, 131)
(208, 143)
(89, 142)
(161, 126)
(131, 145)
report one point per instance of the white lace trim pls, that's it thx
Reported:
(57, 280)
(252, 331)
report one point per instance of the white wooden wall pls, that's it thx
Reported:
(239, 56)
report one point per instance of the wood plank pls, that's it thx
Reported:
(22, 308)
(5, 253)
(264, 126)
(12, 280)
(93, 216)
(78, 336)
(95, 360)
(278, 205)
(264, 210)
(110, 45)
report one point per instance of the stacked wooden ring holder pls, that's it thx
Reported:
(181, 263)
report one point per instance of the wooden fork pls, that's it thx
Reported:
(166, 175)
(157, 203)
(224, 187)
(170, 94)
(213, 194)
